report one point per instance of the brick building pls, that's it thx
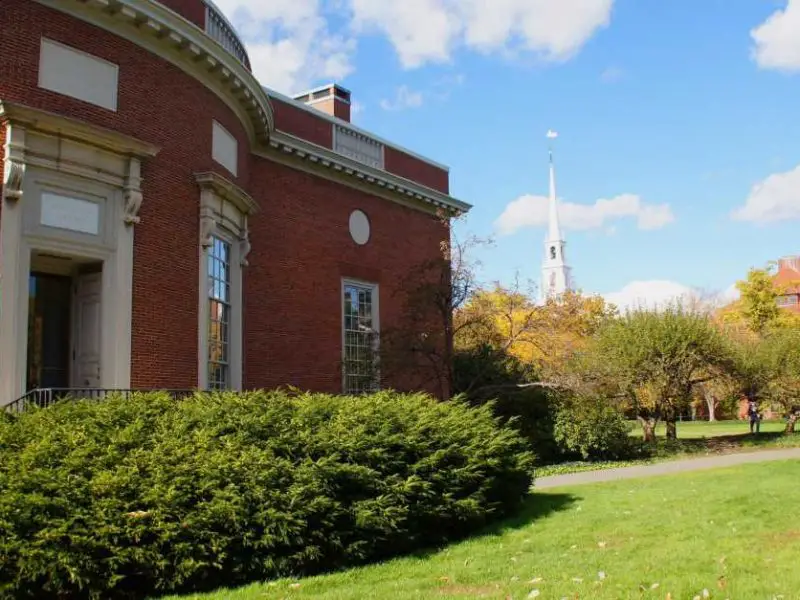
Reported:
(787, 280)
(166, 222)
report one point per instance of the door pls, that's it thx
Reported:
(49, 324)
(86, 350)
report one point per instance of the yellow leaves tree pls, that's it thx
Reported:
(757, 308)
(543, 336)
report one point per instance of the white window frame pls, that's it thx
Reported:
(374, 288)
(220, 238)
(224, 213)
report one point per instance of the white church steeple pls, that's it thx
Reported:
(556, 278)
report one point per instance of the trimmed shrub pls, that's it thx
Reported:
(126, 498)
(485, 374)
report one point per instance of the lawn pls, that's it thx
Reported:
(701, 429)
(695, 438)
(731, 532)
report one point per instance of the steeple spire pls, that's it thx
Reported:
(554, 231)
(556, 278)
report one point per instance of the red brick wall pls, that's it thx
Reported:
(193, 10)
(414, 169)
(302, 124)
(301, 251)
(301, 243)
(159, 104)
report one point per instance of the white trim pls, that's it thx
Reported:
(332, 119)
(320, 88)
(325, 157)
(236, 339)
(181, 42)
(114, 248)
(376, 320)
(328, 99)
(218, 199)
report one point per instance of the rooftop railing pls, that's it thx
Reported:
(221, 30)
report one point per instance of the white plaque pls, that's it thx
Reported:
(70, 213)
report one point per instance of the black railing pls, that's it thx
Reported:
(44, 397)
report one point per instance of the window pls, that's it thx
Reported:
(224, 249)
(219, 315)
(788, 300)
(360, 338)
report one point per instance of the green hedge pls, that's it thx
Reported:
(147, 495)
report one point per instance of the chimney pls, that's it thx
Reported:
(331, 99)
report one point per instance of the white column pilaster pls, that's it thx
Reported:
(14, 270)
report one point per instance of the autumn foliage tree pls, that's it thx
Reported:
(653, 360)
(757, 308)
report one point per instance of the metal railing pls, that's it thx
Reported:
(45, 397)
(221, 31)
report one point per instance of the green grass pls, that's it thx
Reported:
(695, 438)
(733, 532)
(701, 429)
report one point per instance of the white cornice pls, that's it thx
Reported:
(398, 186)
(74, 129)
(227, 190)
(152, 25)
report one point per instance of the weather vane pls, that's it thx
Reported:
(551, 135)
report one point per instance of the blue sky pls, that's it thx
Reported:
(671, 111)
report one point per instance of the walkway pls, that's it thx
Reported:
(665, 468)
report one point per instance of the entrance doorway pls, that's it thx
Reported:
(63, 323)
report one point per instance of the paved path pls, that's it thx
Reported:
(665, 468)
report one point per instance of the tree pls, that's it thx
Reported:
(757, 307)
(777, 362)
(422, 339)
(759, 299)
(655, 359)
(717, 392)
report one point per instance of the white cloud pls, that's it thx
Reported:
(612, 75)
(356, 108)
(651, 294)
(532, 211)
(424, 31)
(290, 42)
(294, 44)
(404, 98)
(776, 198)
(777, 40)
(657, 294)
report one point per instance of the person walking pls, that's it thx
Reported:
(755, 417)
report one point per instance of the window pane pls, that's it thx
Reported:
(360, 341)
(219, 314)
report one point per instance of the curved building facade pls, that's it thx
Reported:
(167, 222)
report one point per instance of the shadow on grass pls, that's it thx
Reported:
(724, 443)
(536, 506)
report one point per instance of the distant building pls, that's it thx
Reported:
(788, 281)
